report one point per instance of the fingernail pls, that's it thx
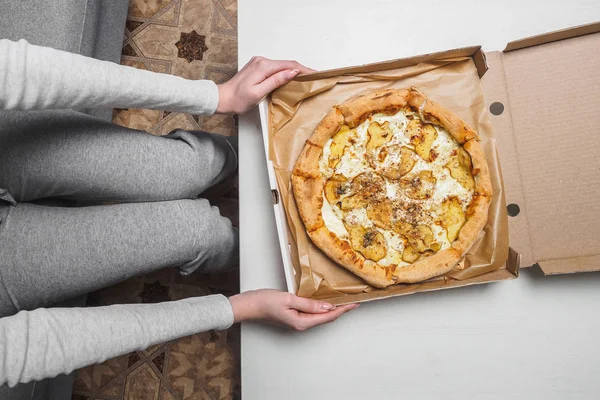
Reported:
(356, 305)
(294, 72)
(327, 306)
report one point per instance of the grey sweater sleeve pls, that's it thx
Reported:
(46, 342)
(34, 77)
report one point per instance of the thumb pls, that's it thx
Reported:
(276, 80)
(310, 306)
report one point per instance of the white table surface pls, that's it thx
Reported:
(535, 337)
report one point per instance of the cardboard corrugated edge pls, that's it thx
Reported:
(495, 87)
(474, 52)
(280, 218)
(513, 263)
(553, 36)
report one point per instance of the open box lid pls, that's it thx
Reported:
(544, 94)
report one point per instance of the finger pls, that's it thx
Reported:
(310, 306)
(274, 81)
(308, 70)
(312, 320)
(308, 321)
(265, 67)
(251, 62)
(304, 69)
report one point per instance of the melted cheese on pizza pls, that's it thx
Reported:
(397, 187)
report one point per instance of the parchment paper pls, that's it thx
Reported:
(295, 110)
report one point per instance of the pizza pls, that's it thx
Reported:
(393, 187)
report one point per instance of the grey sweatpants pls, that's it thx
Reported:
(49, 254)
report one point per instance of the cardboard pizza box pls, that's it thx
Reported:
(544, 96)
(542, 93)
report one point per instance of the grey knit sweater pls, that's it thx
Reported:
(46, 342)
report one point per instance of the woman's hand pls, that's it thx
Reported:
(285, 309)
(257, 79)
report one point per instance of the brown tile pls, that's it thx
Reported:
(133, 25)
(152, 349)
(231, 7)
(133, 358)
(219, 74)
(137, 119)
(146, 8)
(196, 14)
(128, 50)
(143, 383)
(162, 67)
(170, 15)
(157, 41)
(226, 283)
(159, 361)
(233, 339)
(229, 208)
(122, 293)
(198, 281)
(199, 363)
(154, 292)
(114, 391)
(222, 50)
(188, 289)
(223, 124)
(95, 377)
(166, 395)
(184, 69)
(175, 121)
(165, 276)
(223, 23)
(135, 64)
(191, 46)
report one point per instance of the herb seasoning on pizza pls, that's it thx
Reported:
(393, 187)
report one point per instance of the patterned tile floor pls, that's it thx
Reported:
(195, 39)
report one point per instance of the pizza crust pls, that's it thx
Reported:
(309, 197)
(432, 111)
(357, 110)
(308, 184)
(427, 268)
(480, 170)
(476, 219)
(327, 128)
(307, 165)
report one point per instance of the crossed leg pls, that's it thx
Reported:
(48, 254)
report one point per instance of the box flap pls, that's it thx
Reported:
(571, 265)
(550, 134)
(553, 36)
(474, 52)
(513, 263)
(496, 97)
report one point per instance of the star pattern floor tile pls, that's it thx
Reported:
(195, 39)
